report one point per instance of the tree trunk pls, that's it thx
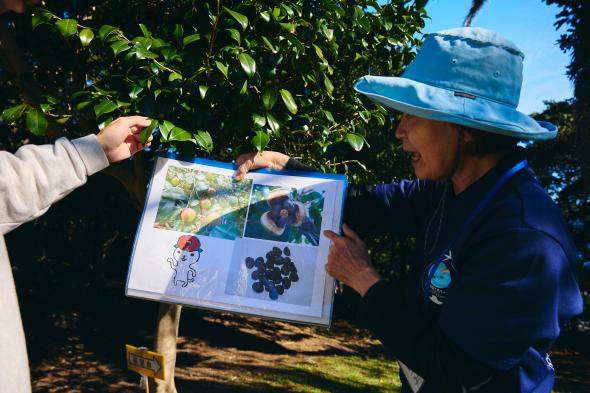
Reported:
(165, 343)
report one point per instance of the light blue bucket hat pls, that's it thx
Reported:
(468, 76)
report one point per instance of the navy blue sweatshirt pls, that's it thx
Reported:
(485, 318)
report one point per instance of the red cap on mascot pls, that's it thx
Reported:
(189, 243)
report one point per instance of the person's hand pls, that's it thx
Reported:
(266, 159)
(349, 261)
(120, 139)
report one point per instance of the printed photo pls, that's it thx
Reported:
(203, 203)
(285, 215)
(273, 272)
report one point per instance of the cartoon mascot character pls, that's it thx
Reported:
(187, 252)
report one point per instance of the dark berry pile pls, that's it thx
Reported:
(274, 275)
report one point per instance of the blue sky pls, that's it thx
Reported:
(527, 23)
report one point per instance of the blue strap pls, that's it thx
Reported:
(505, 177)
(431, 267)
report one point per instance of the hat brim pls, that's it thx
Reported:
(436, 103)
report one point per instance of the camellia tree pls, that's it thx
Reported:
(218, 78)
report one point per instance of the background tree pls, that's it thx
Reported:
(575, 16)
(217, 78)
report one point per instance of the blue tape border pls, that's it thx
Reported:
(227, 165)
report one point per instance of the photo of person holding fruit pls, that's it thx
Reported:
(493, 275)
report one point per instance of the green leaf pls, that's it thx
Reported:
(169, 53)
(290, 27)
(248, 64)
(180, 134)
(235, 35)
(269, 97)
(86, 36)
(67, 27)
(104, 107)
(80, 106)
(63, 119)
(81, 93)
(166, 128)
(159, 43)
(143, 42)
(242, 19)
(11, 115)
(329, 116)
(318, 51)
(269, 44)
(119, 46)
(295, 41)
(146, 33)
(244, 88)
(190, 38)
(51, 99)
(36, 122)
(178, 32)
(40, 16)
(259, 120)
(203, 139)
(174, 76)
(276, 13)
(328, 84)
(222, 67)
(273, 123)
(287, 9)
(203, 91)
(260, 140)
(328, 33)
(355, 140)
(142, 53)
(105, 122)
(134, 93)
(147, 132)
(289, 101)
(106, 31)
(265, 16)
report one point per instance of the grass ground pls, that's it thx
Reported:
(75, 350)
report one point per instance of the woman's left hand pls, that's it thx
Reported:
(349, 261)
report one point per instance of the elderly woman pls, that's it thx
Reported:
(494, 272)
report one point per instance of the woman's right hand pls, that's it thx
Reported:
(266, 159)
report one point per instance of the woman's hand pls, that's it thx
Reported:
(266, 159)
(120, 139)
(349, 261)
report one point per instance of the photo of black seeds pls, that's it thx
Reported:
(274, 275)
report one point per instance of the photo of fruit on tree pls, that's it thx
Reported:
(203, 203)
(288, 215)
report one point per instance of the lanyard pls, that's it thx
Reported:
(432, 267)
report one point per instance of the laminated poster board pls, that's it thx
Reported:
(254, 247)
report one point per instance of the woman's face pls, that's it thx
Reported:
(432, 143)
(19, 6)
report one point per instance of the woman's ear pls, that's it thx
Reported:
(467, 135)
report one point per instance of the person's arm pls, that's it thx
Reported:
(36, 176)
(505, 300)
(400, 207)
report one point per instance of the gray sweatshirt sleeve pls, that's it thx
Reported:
(36, 176)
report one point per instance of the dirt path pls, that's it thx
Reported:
(82, 350)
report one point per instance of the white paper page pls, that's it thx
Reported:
(199, 227)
